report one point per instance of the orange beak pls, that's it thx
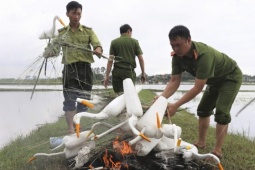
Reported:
(77, 127)
(90, 133)
(158, 121)
(179, 142)
(145, 137)
(60, 20)
(86, 103)
(31, 159)
(220, 166)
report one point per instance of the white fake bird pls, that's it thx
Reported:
(72, 145)
(52, 32)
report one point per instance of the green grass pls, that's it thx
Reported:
(238, 150)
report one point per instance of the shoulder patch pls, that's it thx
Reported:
(83, 26)
(62, 29)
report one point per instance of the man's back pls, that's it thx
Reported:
(126, 48)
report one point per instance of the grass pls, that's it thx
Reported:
(238, 150)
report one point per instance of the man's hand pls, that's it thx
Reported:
(143, 78)
(106, 82)
(111, 57)
(48, 52)
(51, 51)
(155, 98)
(98, 51)
(171, 109)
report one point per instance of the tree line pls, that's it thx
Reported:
(99, 74)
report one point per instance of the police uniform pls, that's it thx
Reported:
(126, 48)
(77, 72)
(224, 79)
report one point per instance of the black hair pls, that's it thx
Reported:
(124, 28)
(179, 31)
(73, 5)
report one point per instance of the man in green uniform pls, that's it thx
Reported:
(77, 73)
(209, 66)
(125, 49)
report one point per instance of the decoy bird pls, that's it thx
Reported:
(52, 32)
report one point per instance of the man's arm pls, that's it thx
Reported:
(141, 62)
(98, 51)
(192, 93)
(172, 86)
(97, 47)
(107, 73)
(52, 50)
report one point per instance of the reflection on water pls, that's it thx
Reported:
(30, 87)
(243, 123)
(20, 115)
(184, 87)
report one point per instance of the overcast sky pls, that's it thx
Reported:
(227, 25)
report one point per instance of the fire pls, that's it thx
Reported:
(109, 163)
(122, 147)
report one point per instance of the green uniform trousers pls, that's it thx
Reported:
(120, 74)
(220, 97)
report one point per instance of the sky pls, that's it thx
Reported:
(227, 26)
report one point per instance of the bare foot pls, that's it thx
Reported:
(218, 154)
(70, 131)
(200, 145)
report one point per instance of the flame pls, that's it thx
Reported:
(109, 163)
(122, 147)
(91, 167)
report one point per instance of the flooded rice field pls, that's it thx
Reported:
(20, 115)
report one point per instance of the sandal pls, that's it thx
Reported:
(199, 147)
(216, 154)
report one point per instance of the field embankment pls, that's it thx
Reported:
(238, 150)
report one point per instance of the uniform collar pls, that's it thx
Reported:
(80, 28)
(124, 35)
(195, 53)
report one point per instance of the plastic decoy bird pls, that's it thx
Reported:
(52, 32)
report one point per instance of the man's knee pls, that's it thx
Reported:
(81, 108)
(204, 114)
(222, 119)
(69, 104)
(118, 87)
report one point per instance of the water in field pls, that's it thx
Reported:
(20, 115)
(243, 123)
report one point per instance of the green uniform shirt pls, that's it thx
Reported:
(126, 48)
(84, 37)
(210, 64)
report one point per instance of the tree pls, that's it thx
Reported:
(102, 70)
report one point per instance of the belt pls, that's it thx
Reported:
(123, 67)
(79, 63)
